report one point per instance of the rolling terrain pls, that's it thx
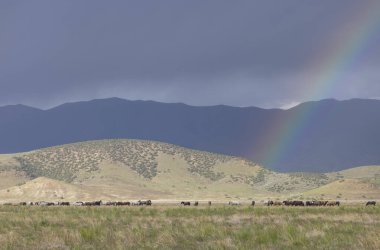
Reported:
(136, 169)
(339, 134)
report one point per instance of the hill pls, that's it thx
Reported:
(134, 169)
(339, 134)
(346, 189)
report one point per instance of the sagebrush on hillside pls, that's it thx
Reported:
(133, 169)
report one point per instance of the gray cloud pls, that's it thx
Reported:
(200, 52)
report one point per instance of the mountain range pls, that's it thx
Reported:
(321, 136)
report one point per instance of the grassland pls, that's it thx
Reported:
(168, 227)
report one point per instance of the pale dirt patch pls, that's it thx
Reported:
(53, 243)
(314, 234)
(226, 243)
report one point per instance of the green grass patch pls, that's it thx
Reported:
(218, 227)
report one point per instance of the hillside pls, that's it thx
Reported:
(134, 169)
(346, 189)
(339, 134)
(43, 188)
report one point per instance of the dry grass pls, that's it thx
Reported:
(217, 227)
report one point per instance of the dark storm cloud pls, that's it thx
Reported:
(200, 52)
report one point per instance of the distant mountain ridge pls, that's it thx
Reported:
(340, 134)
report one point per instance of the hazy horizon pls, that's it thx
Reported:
(286, 107)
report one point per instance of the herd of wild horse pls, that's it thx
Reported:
(183, 203)
(307, 203)
(86, 203)
(285, 203)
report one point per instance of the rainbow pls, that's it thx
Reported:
(327, 73)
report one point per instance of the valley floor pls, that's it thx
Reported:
(172, 227)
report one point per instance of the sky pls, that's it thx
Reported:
(264, 53)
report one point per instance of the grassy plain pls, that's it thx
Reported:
(172, 227)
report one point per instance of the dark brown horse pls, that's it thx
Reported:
(294, 203)
(316, 203)
(185, 203)
(371, 203)
(92, 203)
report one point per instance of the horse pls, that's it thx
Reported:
(333, 203)
(121, 203)
(147, 203)
(277, 203)
(93, 203)
(371, 203)
(316, 203)
(44, 203)
(287, 203)
(293, 203)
